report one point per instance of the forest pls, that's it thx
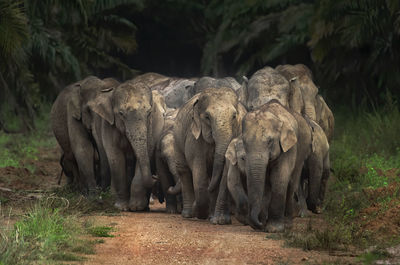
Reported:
(352, 48)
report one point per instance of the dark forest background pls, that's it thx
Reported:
(352, 46)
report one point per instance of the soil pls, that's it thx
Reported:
(156, 237)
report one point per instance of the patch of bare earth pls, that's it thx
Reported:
(159, 238)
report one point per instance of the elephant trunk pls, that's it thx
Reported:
(174, 190)
(309, 110)
(219, 159)
(139, 142)
(256, 171)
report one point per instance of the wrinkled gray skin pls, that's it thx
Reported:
(325, 117)
(317, 171)
(166, 165)
(203, 130)
(206, 82)
(265, 85)
(131, 122)
(176, 91)
(276, 142)
(303, 90)
(73, 127)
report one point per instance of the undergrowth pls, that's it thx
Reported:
(365, 161)
(18, 147)
(46, 235)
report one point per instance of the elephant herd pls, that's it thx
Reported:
(208, 146)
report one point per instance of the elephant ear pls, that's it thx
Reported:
(288, 136)
(102, 105)
(230, 154)
(75, 103)
(196, 125)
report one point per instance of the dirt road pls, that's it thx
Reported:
(159, 238)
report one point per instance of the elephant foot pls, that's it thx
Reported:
(122, 206)
(274, 227)
(171, 209)
(137, 206)
(221, 219)
(187, 213)
(303, 213)
(242, 219)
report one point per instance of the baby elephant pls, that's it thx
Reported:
(166, 165)
(316, 171)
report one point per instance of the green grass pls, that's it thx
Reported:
(365, 147)
(16, 148)
(45, 235)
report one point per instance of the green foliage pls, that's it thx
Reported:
(15, 148)
(46, 234)
(100, 231)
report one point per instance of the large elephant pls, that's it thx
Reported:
(277, 143)
(131, 122)
(72, 124)
(203, 130)
(303, 90)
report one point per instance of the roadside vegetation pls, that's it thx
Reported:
(362, 206)
(45, 235)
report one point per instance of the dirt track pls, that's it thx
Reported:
(159, 238)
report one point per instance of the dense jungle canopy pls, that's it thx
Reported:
(352, 46)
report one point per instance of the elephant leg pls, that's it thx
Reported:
(117, 162)
(222, 213)
(187, 186)
(236, 191)
(315, 166)
(83, 151)
(292, 188)
(139, 199)
(165, 178)
(200, 184)
(105, 178)
(324, 180)
(279, 179)
(302, 205)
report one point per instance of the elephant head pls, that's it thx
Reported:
(265, 85)
(267, 132)
(86, 90)
(128, 107)
(216, 117)
(303, 90)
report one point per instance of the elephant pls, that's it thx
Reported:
(203, 130)
(72, 125)
(264, 85)
(166, 165)
(303, 90)
(176, 91)
(277, 142)
(206, 82)
(325, 117)
(317, 172)
(130, 122)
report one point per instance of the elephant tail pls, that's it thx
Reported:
(62, 169)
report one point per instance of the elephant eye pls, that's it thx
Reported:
(121, 113)
(234, 116)
(207, 116)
